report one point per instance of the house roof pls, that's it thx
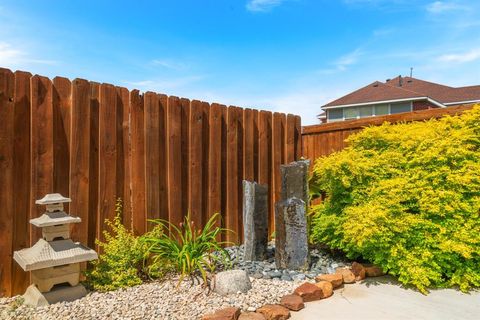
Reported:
(408, 88)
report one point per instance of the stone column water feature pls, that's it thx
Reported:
(291, 235)
(54, 261)
(255, 220)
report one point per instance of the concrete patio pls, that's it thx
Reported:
(384, 298)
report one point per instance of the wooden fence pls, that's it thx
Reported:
(324, 139)
(164, 156)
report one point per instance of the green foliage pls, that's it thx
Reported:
(407, 197)
(190, 251)
(123, 262)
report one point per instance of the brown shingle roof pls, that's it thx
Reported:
(405, 88)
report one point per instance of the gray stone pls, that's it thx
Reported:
(232, 281)
(291, 240)
(255, 220)
(275, 274)
(295, 180)
(299, 277)
(286, 277)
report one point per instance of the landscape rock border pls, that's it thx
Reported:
(306, 292)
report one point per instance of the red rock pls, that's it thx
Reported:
(308, 292)
(358, 270)
(292, 302)
(326, 288)
(274, 312)
(251, 316)
(230, 313)
(373, 271)
(347, 274)
(336, 279)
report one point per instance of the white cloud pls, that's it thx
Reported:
(468, 56)
(342, 63)
(163, 85)
(169, 64)
(440, 7)
(262, 5)
(10, 56)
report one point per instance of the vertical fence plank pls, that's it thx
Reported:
(249, 137)
(123, 154)
(298, 138)
(163, 156)
(7, 85)
(41, 146)
(278, 153)
(265, 158)
(152, 155)
(241, 172)
(205, 162)
(94, 162)
(21, 183)
(79, 160)
(290, 133)
(61, 135)
(234, 172)
(255, 145)
(186, 110)
(197, 119)
(138, 163)
(215, 173)
(175, 158)
(107, 145)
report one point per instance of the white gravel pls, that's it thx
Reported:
(156, 300)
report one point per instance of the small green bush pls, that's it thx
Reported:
(407, 197)
(191, 251)
(124, 261)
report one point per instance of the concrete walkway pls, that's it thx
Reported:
(383, 298)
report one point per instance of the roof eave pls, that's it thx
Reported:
(384, 101)
(461, 102)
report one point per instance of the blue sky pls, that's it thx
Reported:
(290, 56)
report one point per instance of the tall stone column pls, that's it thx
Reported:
(295, 180)
(291, 239)
(255, 220)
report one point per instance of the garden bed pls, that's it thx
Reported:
(155, 300)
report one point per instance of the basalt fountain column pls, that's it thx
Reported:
(54, 261)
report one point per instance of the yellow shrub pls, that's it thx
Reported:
(407, 197)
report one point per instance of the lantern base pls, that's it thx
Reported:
(60, 293)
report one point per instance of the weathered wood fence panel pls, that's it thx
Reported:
(324, 139)
(164, 156)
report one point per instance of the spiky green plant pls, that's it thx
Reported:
(190, 250)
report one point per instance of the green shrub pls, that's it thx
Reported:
(123, 262)
(407, 197)
(189, 250)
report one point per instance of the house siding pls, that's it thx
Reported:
(423, 105)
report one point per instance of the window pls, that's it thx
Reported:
(335, 114)
(350, 113)
(381, 109)
(400, 107)
(366, 111)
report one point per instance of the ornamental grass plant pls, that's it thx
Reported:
(192, 251)
(406, 197)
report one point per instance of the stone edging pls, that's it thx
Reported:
(322, 289)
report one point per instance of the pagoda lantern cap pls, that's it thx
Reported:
(49, 219)
(53, 198)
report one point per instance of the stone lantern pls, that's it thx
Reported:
(54, 261)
